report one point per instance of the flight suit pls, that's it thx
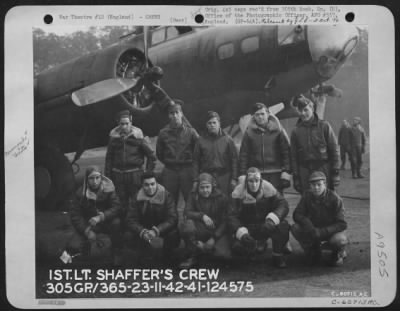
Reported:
(357, 142)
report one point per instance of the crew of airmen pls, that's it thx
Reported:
(234, 203)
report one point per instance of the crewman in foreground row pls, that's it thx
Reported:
(95, 210)
(205, 224)
(258, 213)
(152, 219)
(319, 218)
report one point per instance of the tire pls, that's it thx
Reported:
(54, 179)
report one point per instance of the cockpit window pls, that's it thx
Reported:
(225, 51)
(158, 35)
(172, 32)
(250, 44)
(290, 34)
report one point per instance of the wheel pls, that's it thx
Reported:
(54, 179)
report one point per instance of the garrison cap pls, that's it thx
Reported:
(212, 114)
(176, 105)
(123, 114)
(258, 106)
(357, 119)
(316, 176)
(301, 101)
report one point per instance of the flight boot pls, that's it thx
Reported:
(188, 263)
(314, 255)
(279, 261)
(359, 175)
(338, 257)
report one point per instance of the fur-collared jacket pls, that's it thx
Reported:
(126, 152)
(175, 146)
(325, 212)
(157, 212)
(266, 148)
(88, 204)
(248, 210)
(314, 141)
(215, 153)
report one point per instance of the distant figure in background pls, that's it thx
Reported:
(126, 152)
(95, 209)
(344, 143)
(357, 142)
(215, 153)
(319, 217)
(175, 147)
(314, 147)
(265, 145)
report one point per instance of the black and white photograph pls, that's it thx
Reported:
(204, 162)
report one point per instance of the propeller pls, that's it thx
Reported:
(108, 88)
(102, 90)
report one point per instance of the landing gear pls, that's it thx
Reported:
(54, 178)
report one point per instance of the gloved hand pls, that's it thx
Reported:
(147, 236)
(285, 180)
(233, 184)
(95, 220)
(269, 226)
(91, 235)
(195, 186)
(152, 234)
(335, 178)
(296, 183)
(316, 234)
(284, 183)
(208, 222)
(248, 241)
(307, 225)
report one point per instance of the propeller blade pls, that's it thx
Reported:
(146, 44)
(275, 109)
(102, 90)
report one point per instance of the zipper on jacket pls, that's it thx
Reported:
(262, 144)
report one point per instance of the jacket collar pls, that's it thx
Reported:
(157, 198)
(273, 124)
(312, 123)
(106, 186)
(133, 131)
(267, 190)
(214, 194)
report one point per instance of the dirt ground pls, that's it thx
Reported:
(298, 280)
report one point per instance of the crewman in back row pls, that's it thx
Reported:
(126, 153)
(265, 145)
(215, 153)
(175, 147)
(314, 147)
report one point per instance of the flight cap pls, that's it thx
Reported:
(316, 176)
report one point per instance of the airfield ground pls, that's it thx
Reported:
(298, 280)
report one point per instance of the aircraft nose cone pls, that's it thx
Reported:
(330, 46)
